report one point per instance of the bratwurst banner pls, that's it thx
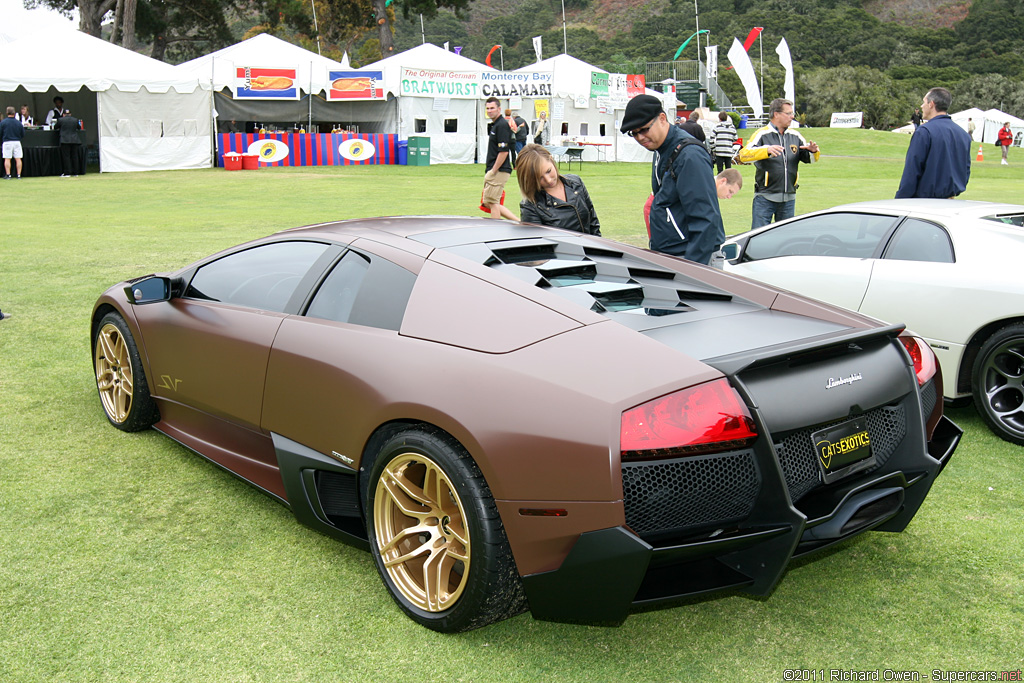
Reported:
(356, 85)
(473, 85)
(261, 83)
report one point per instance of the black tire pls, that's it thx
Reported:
(427, 505)
(998, 382)
(120, 380)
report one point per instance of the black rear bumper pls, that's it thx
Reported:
(608, 571)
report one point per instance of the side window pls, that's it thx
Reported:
(918, 240)
(263, 277)
(451, 125)
(850, 235)
(364, 291)
(584, 129)
(419, 125)
(337, 294)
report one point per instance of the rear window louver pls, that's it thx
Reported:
(603, 280)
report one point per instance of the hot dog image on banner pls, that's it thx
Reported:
(356, 85)
(256, 83)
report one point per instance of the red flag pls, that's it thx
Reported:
(754, 33)
(488, 60)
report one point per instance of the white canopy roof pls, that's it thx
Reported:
(1002, 117)
(34, 62)
(425, 56)
(263, 50)
(570, 76)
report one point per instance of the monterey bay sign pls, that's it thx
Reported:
(471, 85)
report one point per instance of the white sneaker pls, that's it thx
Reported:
(1004, 163)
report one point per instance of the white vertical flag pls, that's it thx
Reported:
(740, 61)
(786, 59)
(446, 46)
(536, 47)
(712, 61)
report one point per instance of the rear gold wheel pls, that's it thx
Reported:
(435, 533)
(421, 532)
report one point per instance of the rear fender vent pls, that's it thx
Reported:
(338, 494)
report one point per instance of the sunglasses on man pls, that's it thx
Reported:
(642, 131)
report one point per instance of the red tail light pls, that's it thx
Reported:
(706, 418)
(922, 355)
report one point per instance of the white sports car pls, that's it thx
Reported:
(948, 269)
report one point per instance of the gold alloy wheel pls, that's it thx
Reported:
(114, 373)
(421, 532)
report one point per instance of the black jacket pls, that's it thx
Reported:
(576, 213)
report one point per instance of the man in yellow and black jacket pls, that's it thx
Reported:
(776, 151)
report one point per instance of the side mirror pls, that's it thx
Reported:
(731, 251)
(149, 290)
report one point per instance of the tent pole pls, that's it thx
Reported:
(213, 113)
(309, 124)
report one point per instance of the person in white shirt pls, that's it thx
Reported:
(56, 112)
(24, 117)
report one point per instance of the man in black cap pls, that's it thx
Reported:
(685, 218)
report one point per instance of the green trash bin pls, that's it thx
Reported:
(419, 150)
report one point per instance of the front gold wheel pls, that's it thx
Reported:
(114, 378)
(120, 380)
(421, 532)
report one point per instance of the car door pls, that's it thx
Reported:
(917, 283)
(826, 256)
(335, 364)
(208, 348)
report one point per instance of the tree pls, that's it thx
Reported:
(991, 91)
(856, 88)
(90, 12)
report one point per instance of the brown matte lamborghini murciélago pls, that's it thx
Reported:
(510, 417)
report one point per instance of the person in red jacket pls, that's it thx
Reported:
(1005, 139)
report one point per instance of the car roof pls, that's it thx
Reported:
(936, 207)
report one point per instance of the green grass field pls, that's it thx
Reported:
(125, 557)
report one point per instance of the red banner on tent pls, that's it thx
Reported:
(635, 85)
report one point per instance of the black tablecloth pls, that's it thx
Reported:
(40, 161)
(42, 154)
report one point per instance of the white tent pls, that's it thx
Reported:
(576, 117)
(582, 117)
(263, 50)
(453, 123)
(142, 113)
(994, 120)
(266, 51)
(976, 115)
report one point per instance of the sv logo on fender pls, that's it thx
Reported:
(168, 382)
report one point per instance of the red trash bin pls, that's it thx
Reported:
(250, 162)
(232, 161)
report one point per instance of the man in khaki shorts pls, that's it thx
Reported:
(500, 141)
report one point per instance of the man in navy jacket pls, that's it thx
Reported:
(685, 218)
(938, 161)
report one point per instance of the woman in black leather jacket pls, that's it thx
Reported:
(553, 199)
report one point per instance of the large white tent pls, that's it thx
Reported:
(987, 124)
(976, 116)
(143, 114)
(453, 124)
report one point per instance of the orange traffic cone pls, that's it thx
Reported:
(981, 155)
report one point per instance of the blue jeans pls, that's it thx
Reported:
(763, 210)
